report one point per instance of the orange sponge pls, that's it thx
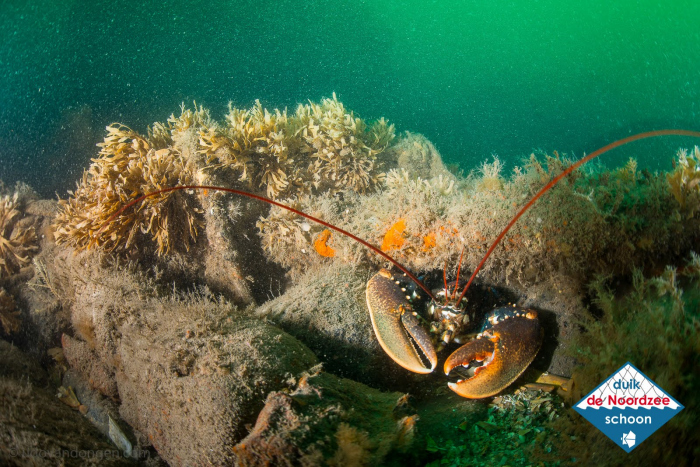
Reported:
(321, 247)
(394, 239)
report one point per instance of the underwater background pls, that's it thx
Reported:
(476, 78)
(197, 326)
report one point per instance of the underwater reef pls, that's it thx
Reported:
(202, 327)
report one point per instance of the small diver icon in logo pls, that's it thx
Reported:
(629, 438)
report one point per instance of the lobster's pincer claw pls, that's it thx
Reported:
(396, 326)
(506, 346)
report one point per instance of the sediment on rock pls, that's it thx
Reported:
(328, 420)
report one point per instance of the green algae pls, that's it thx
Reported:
(515, 431)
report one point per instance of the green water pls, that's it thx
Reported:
(476, 78)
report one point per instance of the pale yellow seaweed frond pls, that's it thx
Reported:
(17, 241)
(126, 168)
(685, 181)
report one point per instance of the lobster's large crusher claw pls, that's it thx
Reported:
(397, 326)
(506, 346)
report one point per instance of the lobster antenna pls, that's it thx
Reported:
(444, 279)
(274, 203)
(555, 180)
(459, 267)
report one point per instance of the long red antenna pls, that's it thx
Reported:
(556, 179)
(444, 280)
(459, 267)
(275, 203)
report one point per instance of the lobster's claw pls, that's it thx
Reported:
(396, 326)
(508, 344)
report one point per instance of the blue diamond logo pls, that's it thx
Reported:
(628, 407)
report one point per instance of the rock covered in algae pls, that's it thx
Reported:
(212, 393)
(328, 420)
(415, 154)
(38, 429)
(9, 317)
(39, 318)
(326, 309)
(103, 413)
(180, 364)
(86, 362)
(593, 221)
